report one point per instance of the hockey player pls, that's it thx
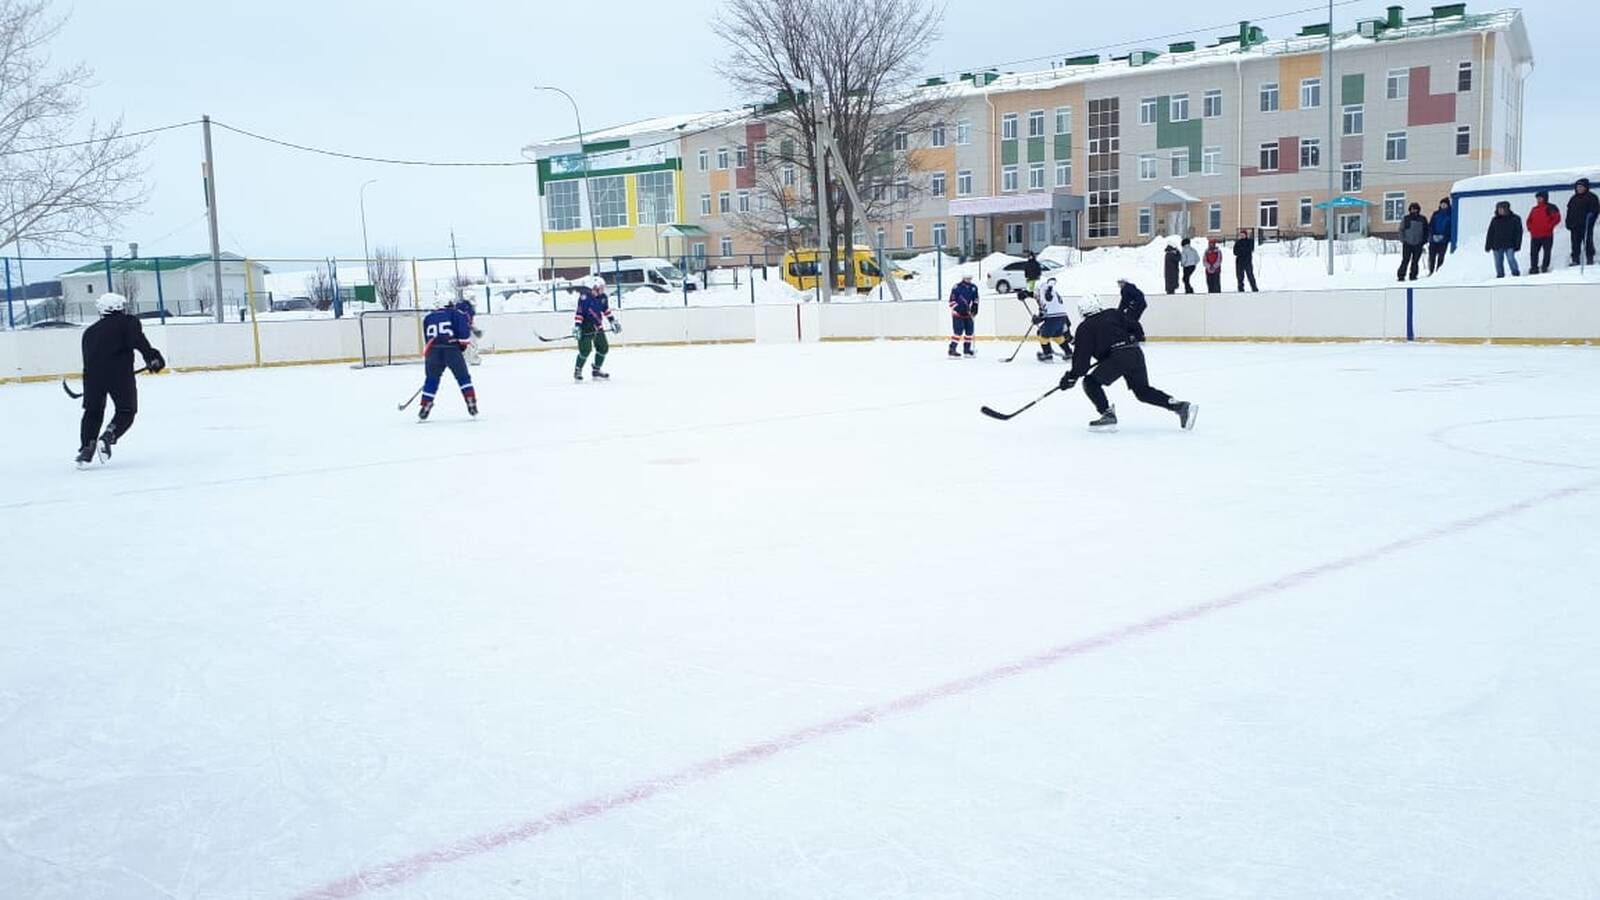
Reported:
(448, 332)
(589, 327)
(1132, 306)
(1105, 351)
(963, 309)
(108, 347)
(471, 312)
(1053, 323)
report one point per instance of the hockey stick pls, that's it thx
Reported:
(78, 396)
(1022, 297)
(403, 406)
(993, 414)
(1025, 335)
(555, 340)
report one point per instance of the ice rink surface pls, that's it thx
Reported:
(797, 622)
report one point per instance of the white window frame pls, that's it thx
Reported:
(902, 189)
(789, 175)
(722, 159)
(1064, 173)
(1262, 208)
(724, 203)
(1210, 161)
(1396, 146)
(1008, 179)
(1394, 206)
(963, 133)
(1146, 222)
(1147, 110)
(1265, 148)
(1063, 120)
(1356, 112)
(1178, 108)
(1214, 217)
(1314, 145)
(743, 201)
(1008, 127)
(1465, 68)
(1352, 177)
(1148, 167)
(909, 237)
(725, 246)
(936, 135)
(563, 213)
(1307, 212)
(741, 156)
(705, 204)
(939, 233)
(882, 237)
(936, 184)
(1268, 91)
(963, 182)
(1180, 163)
(1207, 110)
(704, 158)
(902, 141)
(1035, 123)
(1397, 84)
(1463, 131)
(1036, 176)
(1311, 93)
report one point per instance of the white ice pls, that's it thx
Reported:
(738, 624)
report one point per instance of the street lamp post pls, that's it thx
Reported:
(366, 251)
(588, 190)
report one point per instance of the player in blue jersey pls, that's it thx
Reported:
(447, 331)
(471, 312)
(589, 327)
(963, 309)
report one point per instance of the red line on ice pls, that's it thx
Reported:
(411, 867)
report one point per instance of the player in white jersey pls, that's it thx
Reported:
(1053, 323)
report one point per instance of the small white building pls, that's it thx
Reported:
(180, 284)
(1474, 200)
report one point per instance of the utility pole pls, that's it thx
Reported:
(1332, 155)
(824, 223)
(457, 260)
(366, 251)
(211, 213)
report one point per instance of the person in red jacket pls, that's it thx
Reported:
(1543, 220)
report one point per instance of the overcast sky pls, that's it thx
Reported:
(403, 78)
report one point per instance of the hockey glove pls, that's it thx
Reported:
(1068, 381)
(1038, 320)
(616, 327)
(155, 362)
(477, 332)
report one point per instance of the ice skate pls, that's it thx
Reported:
(85, 455)
(1187, 413)
(1106, 422)
(577, 374)
(422, 411)
(598, 375)
(108, 439)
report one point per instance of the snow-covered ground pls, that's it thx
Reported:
(797, 621)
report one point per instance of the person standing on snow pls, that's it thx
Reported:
(1031, 272)
(1213, 264)
(1413, 237)
(589, 322)
(1244, 259)
(1583, 208)
(1053, 323)
(108, 347)
(1504, 239)
(963, 309)
(1542, 222)
(448, 332)
(1191, 259)
(1439, 234)
(1171, 262)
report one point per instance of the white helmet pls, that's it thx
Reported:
(1089, 304)
(443, 299)
(596, 283)
(110, 303)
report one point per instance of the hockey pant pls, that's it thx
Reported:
(961, 333)
(596, 342)
(441, 358)
(1055, 327)
(124, 394)
(1128, 363)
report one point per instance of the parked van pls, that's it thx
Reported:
(643, 272)
(800, 269)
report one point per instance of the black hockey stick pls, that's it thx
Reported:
(1025, 335)
(403, 406)
(78, 396)
(554, 340)
(993, 414)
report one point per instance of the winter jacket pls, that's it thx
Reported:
(1244, 248)
(1190, 257)
(1097, 337)
(1031, 270)
(1543, 219)
(1582, 210)
(964, 300)
(1439, 225)
(1213, 259)
(1505, 233)
(1170, 263)
(108, 347)
(1414, 230)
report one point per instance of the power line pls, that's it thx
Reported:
(100, 140)
(391, 161)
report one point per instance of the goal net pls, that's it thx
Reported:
(391, 336)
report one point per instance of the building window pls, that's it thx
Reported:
(1036, 123)
(705, 204)
(1305, 212)
(1214, 217)
(1269, 156)
(741, 157)
(761, 153)
(1144, 221)
(699, 250)
(726, 246)
(1147, 111)
(1394, 146)
(1064, 173)
(879, 234)
(724, 202)
(1310, 93)
(610, 198)
(761, 203)
(1394, 206)
(936, 184)
(1104, 178)
(1310, 153)
(1463, 140)
(565, 213)
(1063, 120)
(910, 236)
(788, 175)
(722, 158)
(1180, 163)
(963, 133)
(704, 159)
(1397, 86)
(1036, 176)
(1211, 161)
(938, 234)
(902, 189)
(658, 202)
(1267, 214)
(1269, 97)
(1212, 105)
(1008, 179)
(1178, 108)
(936, 138)
(1351, 182)
(1355, 120)
(1464, 76)
(964, 183)
(744, 201)
(902, 141)
(1008, 127)
(1147, 167)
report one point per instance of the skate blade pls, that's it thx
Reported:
(1103, 429)
(1194, 413)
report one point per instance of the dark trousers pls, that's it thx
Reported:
(1055, 328)
(1410, 256)
(1537, 245)
(961, 333)
(1188, 273)
(1583, 239)
(595, 340)
(1125, 363)
(1214, 282)
(439, 359)
(1436, 252)
(124, 393)
(1244, 267)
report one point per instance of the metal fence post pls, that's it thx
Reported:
(938, 273)
(488, 295)
(685, 269)
(11, 317)
(333, 279)
(750, 269)
(161, 300)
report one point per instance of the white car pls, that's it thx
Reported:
(1003, 279)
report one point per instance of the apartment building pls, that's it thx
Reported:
(1243, 133)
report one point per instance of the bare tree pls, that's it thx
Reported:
(319, 285)
(128, 285)
(862, 58)
(63, 184)
(388, 276)
(778, 212)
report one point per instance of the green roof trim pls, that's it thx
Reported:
(142, 264)
(606, 146)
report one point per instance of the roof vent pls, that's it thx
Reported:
(1318, 30)
(1092, 59)
(1181, 47)
(1142, 57)
(1450, 11)
(1397, 16)
(1369, 28)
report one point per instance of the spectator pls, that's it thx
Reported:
(1031, 270)
(1170, 268)
(1439, 234)
(1504, 239)
(1213, 261)
(1582, 210)
(1190, 260)
(1542, 222)
(1413, 237)
(1244, 259)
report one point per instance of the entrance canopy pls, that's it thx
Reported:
(1171, 196)
(1014, 204)
(1345, 202)
(678, 230)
